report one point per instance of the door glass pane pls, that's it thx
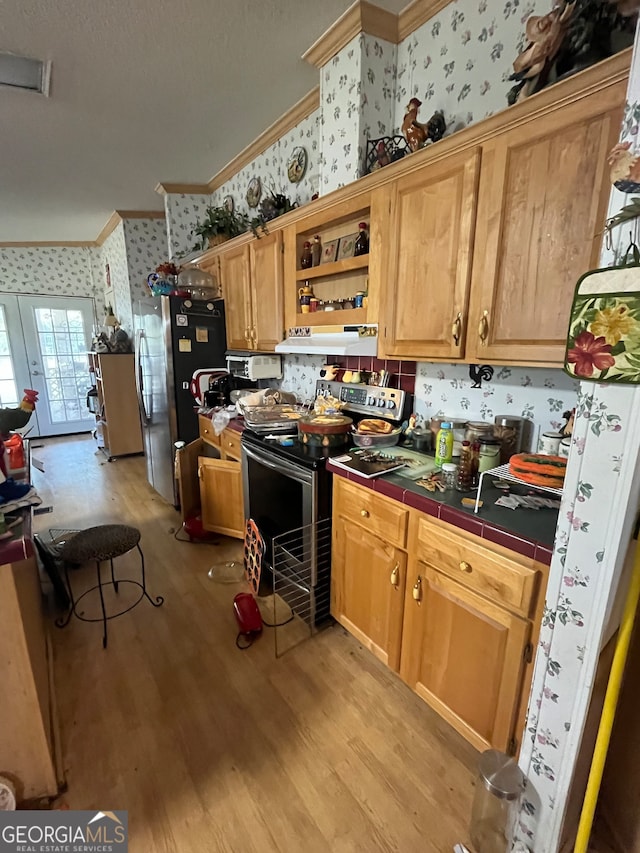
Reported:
(8, 388)
(61, 340)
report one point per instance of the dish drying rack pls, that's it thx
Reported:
(502, 472)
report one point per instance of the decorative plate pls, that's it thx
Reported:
(228, 203)
(297, 165)
(254, 191)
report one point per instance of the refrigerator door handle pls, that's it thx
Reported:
(139, 383)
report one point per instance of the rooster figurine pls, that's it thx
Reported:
(625, 168)
(13, 419)
(417, 133)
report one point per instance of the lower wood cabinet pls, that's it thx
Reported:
(210, 481)
(456, 616)
(367, 589)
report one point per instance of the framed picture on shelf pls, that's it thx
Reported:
(329, 252)
(347, 246)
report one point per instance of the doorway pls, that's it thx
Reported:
(43, 345)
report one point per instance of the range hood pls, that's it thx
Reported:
(331, 340)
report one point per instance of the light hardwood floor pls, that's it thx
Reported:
(214, 749)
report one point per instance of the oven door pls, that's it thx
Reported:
(279, 495)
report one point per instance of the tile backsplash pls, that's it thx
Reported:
(540, 395)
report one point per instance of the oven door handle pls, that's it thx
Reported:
(282, 466)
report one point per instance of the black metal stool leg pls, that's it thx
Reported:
(104, 612)
(159, 599)
(113, 579)
(63, 621)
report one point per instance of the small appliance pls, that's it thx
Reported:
(248, 618)
(254, 366)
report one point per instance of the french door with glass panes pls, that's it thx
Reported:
(43, 345)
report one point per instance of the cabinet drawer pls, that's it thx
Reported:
(207, 432)
(382, 516)
(230, 444)
(491, 574)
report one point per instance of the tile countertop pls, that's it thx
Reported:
(528, 532)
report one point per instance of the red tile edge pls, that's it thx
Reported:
(423, 503)
(544, 554)
(469, 523)
(509, 540)
(391, 490)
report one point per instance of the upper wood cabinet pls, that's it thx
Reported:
(425, 258)
(542, 204)
(251, 276)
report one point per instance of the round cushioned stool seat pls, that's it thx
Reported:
(103, 542)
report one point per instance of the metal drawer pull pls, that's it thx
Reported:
(464, 566)
(395, 575)
(456, 329)
(483, 327)
(417, 590)
(364, 513)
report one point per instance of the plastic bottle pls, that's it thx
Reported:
(465, 469)
(444, 444)
(450, 474)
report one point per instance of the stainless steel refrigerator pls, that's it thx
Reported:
(174, 337)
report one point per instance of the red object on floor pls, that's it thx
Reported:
(194, 529)
(247, 613)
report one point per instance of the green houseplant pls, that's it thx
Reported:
(219, 225)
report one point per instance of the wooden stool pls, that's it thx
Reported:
(104, 542)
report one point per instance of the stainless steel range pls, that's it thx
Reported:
(287, 487)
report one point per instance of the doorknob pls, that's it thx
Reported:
(36, 373)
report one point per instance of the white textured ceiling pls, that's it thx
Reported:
(142, 91)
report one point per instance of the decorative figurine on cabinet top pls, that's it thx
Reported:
(625, 168)
(416, 133)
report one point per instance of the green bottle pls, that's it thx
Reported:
(444, 444)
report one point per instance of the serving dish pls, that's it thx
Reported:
(375, 439)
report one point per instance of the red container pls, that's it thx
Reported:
(14, 447)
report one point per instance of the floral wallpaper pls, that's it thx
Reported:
(58, 270)
(300, 373)
(539, 395)
(601, 498)
(182, 212)
(460, 60)
(114, 253)
(271, 168)
(146, 245)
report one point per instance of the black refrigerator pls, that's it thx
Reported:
(174, 337)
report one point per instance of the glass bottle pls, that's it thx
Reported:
(465, 469)
(362, 240)
(444, 444)
(306, 258)
(475, 461)
(316, 250)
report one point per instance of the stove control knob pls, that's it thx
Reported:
(381, 403)
(390, 404)
(371, 400)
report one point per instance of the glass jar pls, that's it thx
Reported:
(477, 430)
(510, 431)
(449, 475)
(489, 454)
(497, 790)
(459, 429)
(465, 469)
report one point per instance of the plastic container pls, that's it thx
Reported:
(444, 444)
(489, 454)
(500, 782)
(449, 475)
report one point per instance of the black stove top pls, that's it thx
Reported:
(304, 454)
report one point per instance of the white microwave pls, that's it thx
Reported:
(254, 366)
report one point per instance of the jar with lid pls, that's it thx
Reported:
(459, 427)
(489, 454)
(499, 785)
(477, 430)
(449, 475)
(464, 479)
(510, 431)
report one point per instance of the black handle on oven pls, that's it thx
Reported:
(282, 466)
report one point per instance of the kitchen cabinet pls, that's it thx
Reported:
(426, 258)
(251, 275)
(456, 616)
(542, 202)
(367, 585)
(118, 430)
(210, 481)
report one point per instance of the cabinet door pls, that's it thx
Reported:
(234, 271)
(464, 655)
(221, 496)
(187, 472)
(267, 291)
(542, 204)
(367, 589)
(427, 270)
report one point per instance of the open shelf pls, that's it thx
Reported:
(344, 317)
(335, 268)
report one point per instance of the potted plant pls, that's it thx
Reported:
(272, 206)
(219, 225)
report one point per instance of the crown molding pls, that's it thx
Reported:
(361, 17)
(416, 14)
(118, 216)
(284, 124)
(183, 189)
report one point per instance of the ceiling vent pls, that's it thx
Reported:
(20, 72)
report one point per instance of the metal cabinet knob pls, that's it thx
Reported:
(364, 513)
(417, 590)
(464, 566)
(395, 575)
